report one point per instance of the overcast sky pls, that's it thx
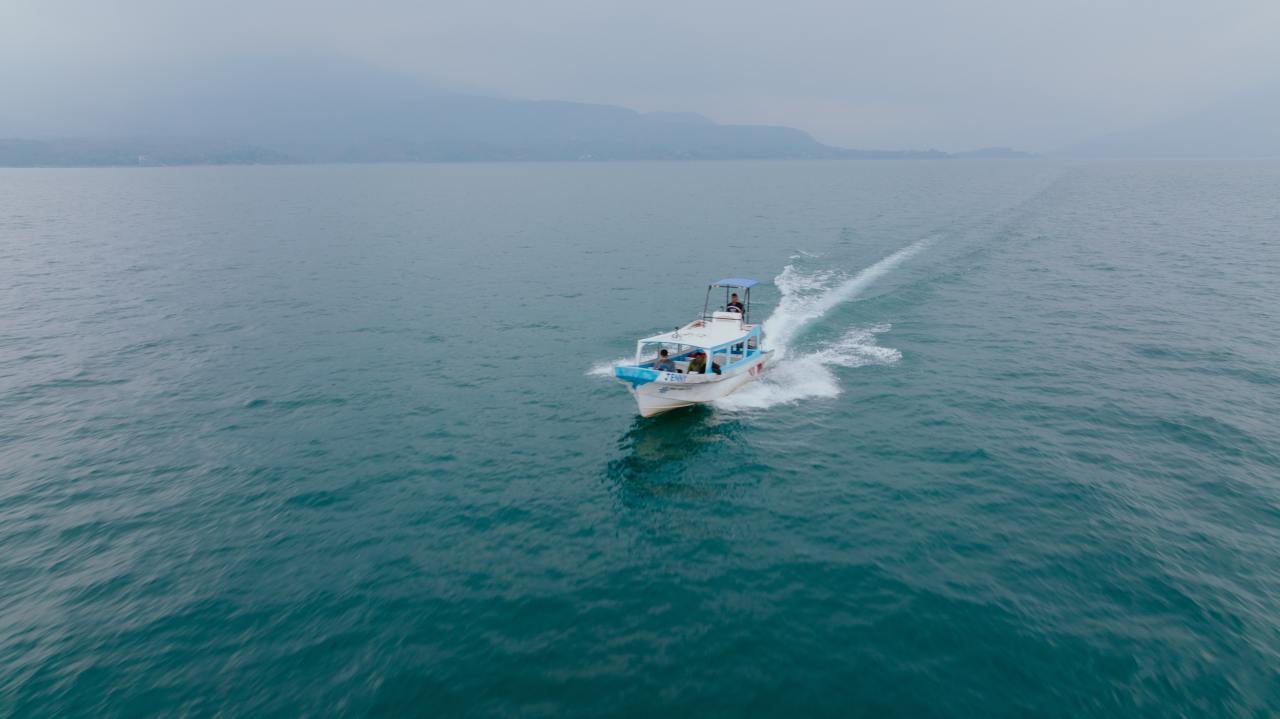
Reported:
(904, 74)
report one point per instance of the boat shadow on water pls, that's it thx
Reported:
(688, 453)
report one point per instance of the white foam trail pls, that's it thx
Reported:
(806, 376)
(806, 297)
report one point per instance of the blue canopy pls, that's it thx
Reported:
(734, 282)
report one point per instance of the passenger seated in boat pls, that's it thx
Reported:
(664, 363)
(698, 365)
(734, 305)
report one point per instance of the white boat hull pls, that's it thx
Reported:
(673, 391)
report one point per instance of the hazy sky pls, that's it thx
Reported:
(928, 73)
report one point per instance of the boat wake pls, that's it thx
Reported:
(809, 375)
(807, 296)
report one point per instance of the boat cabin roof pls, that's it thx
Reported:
(706, 334)
(742, 282)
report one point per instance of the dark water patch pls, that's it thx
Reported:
(314, 500)
(1204, 433)
(296, 403)
(83, 380)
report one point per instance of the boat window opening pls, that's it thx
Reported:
(648, 353)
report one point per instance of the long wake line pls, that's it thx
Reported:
(797, 308)
(807, 297)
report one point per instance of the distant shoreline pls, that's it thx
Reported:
(180, 152)
(160, 166)
(519, 162)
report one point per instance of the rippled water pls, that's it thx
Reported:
(317, 440)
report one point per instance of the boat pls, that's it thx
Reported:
(724, 341)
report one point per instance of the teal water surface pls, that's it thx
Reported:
(298, 441)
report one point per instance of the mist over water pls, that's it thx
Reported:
(333, 439)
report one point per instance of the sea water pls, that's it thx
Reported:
(285, 441)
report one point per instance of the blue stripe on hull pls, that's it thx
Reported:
(635, 375)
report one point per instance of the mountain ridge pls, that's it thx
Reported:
(327, 109)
